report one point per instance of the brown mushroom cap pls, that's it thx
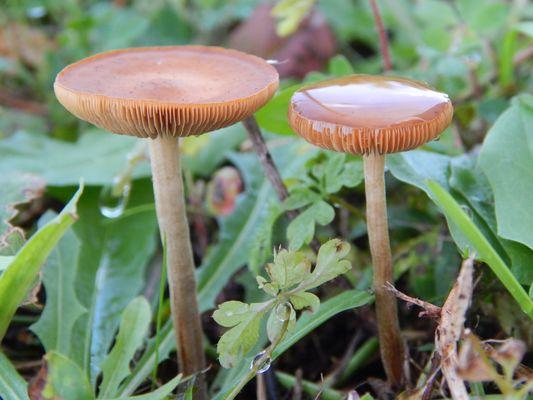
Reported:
(362, 114)
(154, 91)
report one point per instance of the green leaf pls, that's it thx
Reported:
(112, 269)
(506, 158)
(288, 269)
(238, 229)
(161, 393)
(303, 300)
(300, 197)
(65, 380)
(240, 339)
(22, 272)
(97, 157)
(231, 313)
(302, 229)
(290, 14)
(330, 263)
(524, 27)
(12, 385)
(305, 324)
(273, 116)
(62, 308)
(439, 13)
(340, 66)
(132, 332)
(5, 261)
(486, 252)
(417, 166)
(277, 318)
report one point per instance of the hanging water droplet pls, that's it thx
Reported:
(283, 311)
(114, 199)
(261, 363)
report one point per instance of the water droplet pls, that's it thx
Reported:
(283, 311)
(36, 12)
(229, 314)
(261, 362)
(436, 139)
(114, 199)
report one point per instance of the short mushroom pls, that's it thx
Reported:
(373, 116)
(162, 93)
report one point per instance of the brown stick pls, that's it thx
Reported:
(390, 340)
(267, 163)
(172, 217)
(383, 39)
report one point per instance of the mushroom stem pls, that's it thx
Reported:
(390, 340)
(172, 217)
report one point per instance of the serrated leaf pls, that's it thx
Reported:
(288, 269)
(240, 339)
(305, 324)
(231, 313)
(302, 300)
(330, 263)
(12, 385)
(65, 380)
(62, 307)
(302, 229)
(132, 332)
(300, 198)
(22, 272)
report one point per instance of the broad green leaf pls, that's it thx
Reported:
(65, 380)
(299, 198)
(5, 261)
(340, 66)
(16, 188)
(24, 269)
(161, 393)
(506, 158)
(273, 116)
(62, 308)
(12, 385)
(441, 14)
(485, 251)
(97, 157)
(112, 264)
(417, 166)
(132, 332)
(330, 263)
(305, 324)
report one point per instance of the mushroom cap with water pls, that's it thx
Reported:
(362, 114)
(161, 91)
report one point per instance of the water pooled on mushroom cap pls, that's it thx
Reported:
(178, 91)
(363, 113)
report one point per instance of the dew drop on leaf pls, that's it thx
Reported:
(261, 363)
(283, 311)
(114, 199)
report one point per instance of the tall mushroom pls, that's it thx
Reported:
(162, 93)
(373, 116)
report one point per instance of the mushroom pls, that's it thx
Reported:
(373, 116)
(162, 93)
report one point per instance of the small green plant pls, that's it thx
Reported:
(290, 277)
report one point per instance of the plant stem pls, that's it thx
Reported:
(267, 163)
(383, 39)
(390, 340)
(316, 390)
(172, 217)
